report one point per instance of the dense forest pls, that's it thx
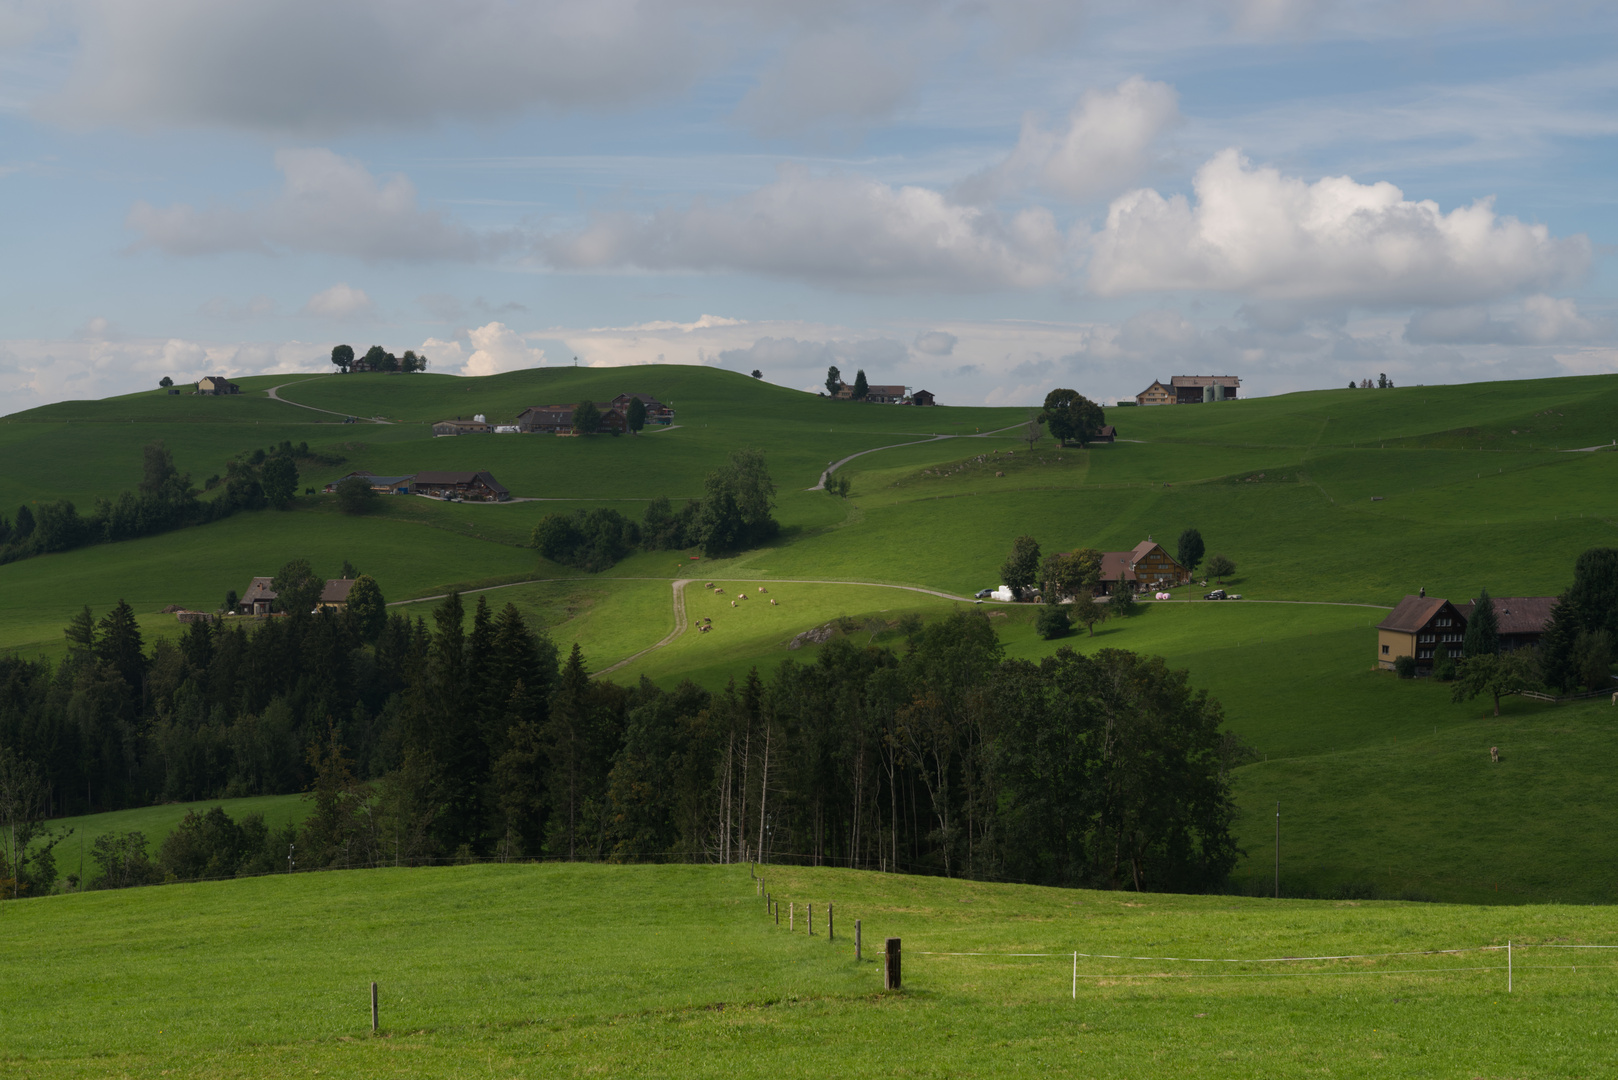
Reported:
(475, 739)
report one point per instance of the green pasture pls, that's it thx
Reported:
(156, 822)
(1427, 812)
(571, 970)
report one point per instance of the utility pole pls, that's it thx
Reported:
(1278, 849)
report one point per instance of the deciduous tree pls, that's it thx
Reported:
(1495, 674)
(1071, 417)
(343, 357)
(1021, 569)
(1220, 568)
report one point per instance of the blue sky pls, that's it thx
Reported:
(983, 199)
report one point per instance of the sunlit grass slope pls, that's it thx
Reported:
(504, 971)
(156, 822)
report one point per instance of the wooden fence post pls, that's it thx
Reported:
(856, 941)
(890, 970)
(792, 915)
(809, 919)
(829, 934)
(777, 913)
(373, 1008)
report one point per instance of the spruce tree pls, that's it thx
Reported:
(1190, 549)
(1482, 629)
(861, 387)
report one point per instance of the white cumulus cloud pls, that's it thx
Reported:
(1256, 232)
(1543, 320)
(841, 231)
(1104, 145)
(341, 301)
(327, 203)
(487, 350)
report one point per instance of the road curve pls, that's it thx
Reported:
(274, 394)
(820, 485)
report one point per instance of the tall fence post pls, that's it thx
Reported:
(809, 919)
(890, 969)
(373, 1008)
(856, 941)
(829, 934)
(1508, 967)
(792, 916)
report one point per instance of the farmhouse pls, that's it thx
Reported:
(258, 598)
(1421, 623)
(1195, 389)
(1147, 566)
(880, 394)
(216, 384)
(386, 485)
(334, 597)
(1522, 619)
(1416, 628)
(656, 411)
(475, 426)
(558, 419)
(467, 485)
(1155, 394)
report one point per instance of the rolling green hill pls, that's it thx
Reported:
(1332, 497)
(564, 970)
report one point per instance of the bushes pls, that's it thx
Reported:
(1052, 621)
(591, 540)
(1405, 667)
(355, 495)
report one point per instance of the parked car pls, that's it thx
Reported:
(1234, 596)
(984, 593)
(1217, 594)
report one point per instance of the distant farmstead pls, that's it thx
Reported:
(259, 597)
(656, 411)
(475, 426)
(1421, 623)
(383, 485)
(1190, 390)
(216, 384)
(558, 419)
(1147, 566)
(465, 485)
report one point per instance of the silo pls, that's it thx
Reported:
(1208, 393)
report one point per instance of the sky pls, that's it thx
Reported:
(983, 198)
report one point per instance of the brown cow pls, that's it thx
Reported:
(1494, 754)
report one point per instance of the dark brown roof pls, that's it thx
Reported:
(1413, 613)
(336, 590)
(1107, 431)
(1206, 380)
(1119, 565)
(886, 391)
(259, 589)
(1516, 614)
(436, 479)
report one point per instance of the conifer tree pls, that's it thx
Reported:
(1482, 629)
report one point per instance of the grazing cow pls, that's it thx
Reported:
(741, 596)
(1494, 754)
(708, 586)
(772, 604)
(762, 589)
(733, 603)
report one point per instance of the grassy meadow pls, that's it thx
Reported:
(572, 970)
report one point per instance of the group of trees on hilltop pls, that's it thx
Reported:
(1071, 417)
(735, 513)
(421, 742)
(164, 499)
(377, 358)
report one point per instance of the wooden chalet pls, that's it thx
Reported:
(258, 599)
(1155, 394)
(656, 411)
(1148, 566)
(1522, 619)
(1107, 433)
(880, 394)
(217, 384)
(558, 419)
(922, 397)
(334, 597)
(1416, 628)
(479, 486)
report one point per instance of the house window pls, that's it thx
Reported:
(1425, 654)
(1384, 650)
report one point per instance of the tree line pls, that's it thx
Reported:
(377, 358)
(471, 737)
(164, 500)
(733, 514)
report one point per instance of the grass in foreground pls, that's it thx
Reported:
(675, 971)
